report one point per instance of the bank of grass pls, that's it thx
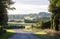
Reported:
(50, 34)
(7, 34)
(45, 34)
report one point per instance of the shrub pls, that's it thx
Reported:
(2, 30)
(43, 25)
(15, 27)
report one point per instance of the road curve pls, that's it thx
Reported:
(22, 34)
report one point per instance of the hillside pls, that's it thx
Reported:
(41, 15)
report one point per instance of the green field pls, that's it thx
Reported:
(18, 24)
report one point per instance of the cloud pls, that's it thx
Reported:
(33, 2)
(29, 6)
(27, 9)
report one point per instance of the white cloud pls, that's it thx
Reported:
(33, 2)
(22, 8)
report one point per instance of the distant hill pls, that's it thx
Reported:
(40, 15)
(44, 14)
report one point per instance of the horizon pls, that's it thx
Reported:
(28, 13)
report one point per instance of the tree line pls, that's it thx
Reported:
(54, 8)
(54, 23)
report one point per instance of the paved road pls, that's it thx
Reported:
(22, 34)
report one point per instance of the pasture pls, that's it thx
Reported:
(18, 24)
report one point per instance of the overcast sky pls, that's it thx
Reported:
(29, 6)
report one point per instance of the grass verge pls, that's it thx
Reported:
(6, 35)
(47, 36)
(44, 35)
(50, 34)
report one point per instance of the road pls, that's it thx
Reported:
(22, 34)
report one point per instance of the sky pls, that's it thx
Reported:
(29, 6)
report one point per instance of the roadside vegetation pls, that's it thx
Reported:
(43, 30)
(50, 34)
(4, 6)
(45, 34)
(7, 34)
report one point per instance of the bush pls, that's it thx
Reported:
(2, 30)
(30, 21)
(46, 25)
(15, 27)
(43, 25)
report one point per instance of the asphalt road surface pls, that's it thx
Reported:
(22, 34)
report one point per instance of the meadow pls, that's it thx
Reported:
(18, 25)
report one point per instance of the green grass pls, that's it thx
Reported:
(44, 36)
(47, 36)
(6, 35)
(16, 22)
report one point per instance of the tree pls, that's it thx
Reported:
(54, 8)
(4, 6)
